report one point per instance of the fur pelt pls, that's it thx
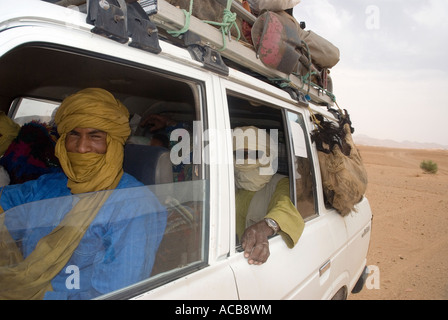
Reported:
(328, 133)
(344, 177)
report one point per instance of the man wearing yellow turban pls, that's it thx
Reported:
(263, 204)
(77, 245)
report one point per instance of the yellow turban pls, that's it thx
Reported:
(8, 132)
(93, 108)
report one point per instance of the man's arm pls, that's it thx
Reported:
(255, 238)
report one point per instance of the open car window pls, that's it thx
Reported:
(153, 255)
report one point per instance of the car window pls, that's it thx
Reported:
(305, 183)
(26, 109)
(292, 158)
(180, 186)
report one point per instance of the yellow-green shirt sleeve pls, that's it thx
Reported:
(283, 211)
(242, 202)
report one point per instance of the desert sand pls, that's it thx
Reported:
(409, 240)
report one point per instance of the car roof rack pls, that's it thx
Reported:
(205, 42)
(171, 18)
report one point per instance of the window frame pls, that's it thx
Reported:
(310, 160)
(198, 86)
(232, 89)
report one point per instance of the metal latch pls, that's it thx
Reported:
(324, 268)
(108, 19)
(211, 59)
(143, 31)
(119, 19)
(297, 96)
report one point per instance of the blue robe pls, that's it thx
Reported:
(117, 250)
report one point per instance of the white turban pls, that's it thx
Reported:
(255, 172)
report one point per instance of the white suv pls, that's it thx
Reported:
(48, 52)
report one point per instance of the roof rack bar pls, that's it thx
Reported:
(168, 17)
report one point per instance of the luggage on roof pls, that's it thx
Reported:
(182, 22)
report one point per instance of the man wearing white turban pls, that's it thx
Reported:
(263, 204)
(81, 243)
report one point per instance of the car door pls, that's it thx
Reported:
(43, 47)
(303, 272)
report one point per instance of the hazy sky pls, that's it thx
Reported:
(392, 76)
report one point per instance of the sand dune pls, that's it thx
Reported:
(409, 243)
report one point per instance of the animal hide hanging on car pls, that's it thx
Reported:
(344, 177)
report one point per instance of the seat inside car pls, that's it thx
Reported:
(181, 242)
(148, 164)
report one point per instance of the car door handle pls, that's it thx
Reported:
(324, 268)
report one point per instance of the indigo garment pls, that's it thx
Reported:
(117, 250)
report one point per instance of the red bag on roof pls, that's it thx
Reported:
(276, 39)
